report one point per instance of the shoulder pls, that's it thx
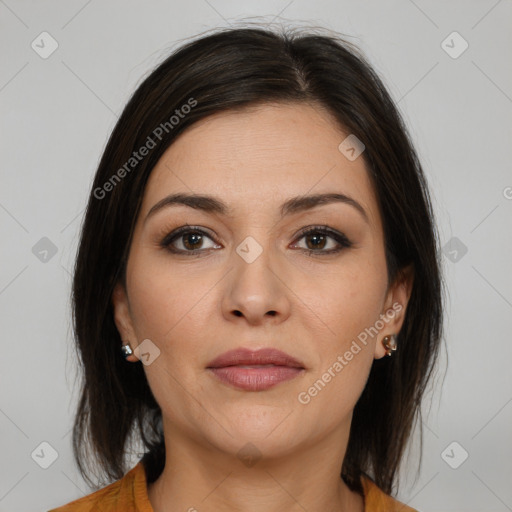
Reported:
(120, 495)
(377, 500)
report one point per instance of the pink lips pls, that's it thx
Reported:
(255, 370)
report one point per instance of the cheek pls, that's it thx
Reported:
(344, 359)
(163, 301)
(349, 300)
(351, 304)
(358, 304)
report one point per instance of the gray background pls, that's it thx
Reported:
(57, 113)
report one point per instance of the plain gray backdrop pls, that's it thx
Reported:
(68, 69)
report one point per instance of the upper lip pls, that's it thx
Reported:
(245, 356)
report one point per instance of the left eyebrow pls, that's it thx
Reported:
(212, 204)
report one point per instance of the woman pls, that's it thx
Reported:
(258, 240)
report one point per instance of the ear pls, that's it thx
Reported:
(395, 306)
(123, 320)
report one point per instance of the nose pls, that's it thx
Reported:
(255, 289)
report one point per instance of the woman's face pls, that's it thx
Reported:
(248, 277)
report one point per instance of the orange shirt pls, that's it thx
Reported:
(129, 494)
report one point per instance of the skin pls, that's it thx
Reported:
(194, 308)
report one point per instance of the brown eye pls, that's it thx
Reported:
(318, 238)
(186, 240)
(317, 241)
(192, 240)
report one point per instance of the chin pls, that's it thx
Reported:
(269, 428)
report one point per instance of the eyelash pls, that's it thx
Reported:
(340, 238)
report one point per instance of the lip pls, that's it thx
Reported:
(255, 370)
(245, 356)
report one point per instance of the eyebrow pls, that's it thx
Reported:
(210, 204)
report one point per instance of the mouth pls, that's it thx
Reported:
(255, 370)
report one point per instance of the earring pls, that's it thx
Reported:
(126, 350)
(389, 343)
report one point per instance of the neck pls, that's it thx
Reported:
(199, 477)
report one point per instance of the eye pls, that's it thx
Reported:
(317, 239)
(187, 239)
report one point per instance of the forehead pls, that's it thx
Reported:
(253, 156)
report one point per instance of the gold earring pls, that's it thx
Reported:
(389, 343)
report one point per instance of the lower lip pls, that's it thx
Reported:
(255, 379)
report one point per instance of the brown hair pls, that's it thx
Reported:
(234, 68)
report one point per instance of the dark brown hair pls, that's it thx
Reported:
(230, 69)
